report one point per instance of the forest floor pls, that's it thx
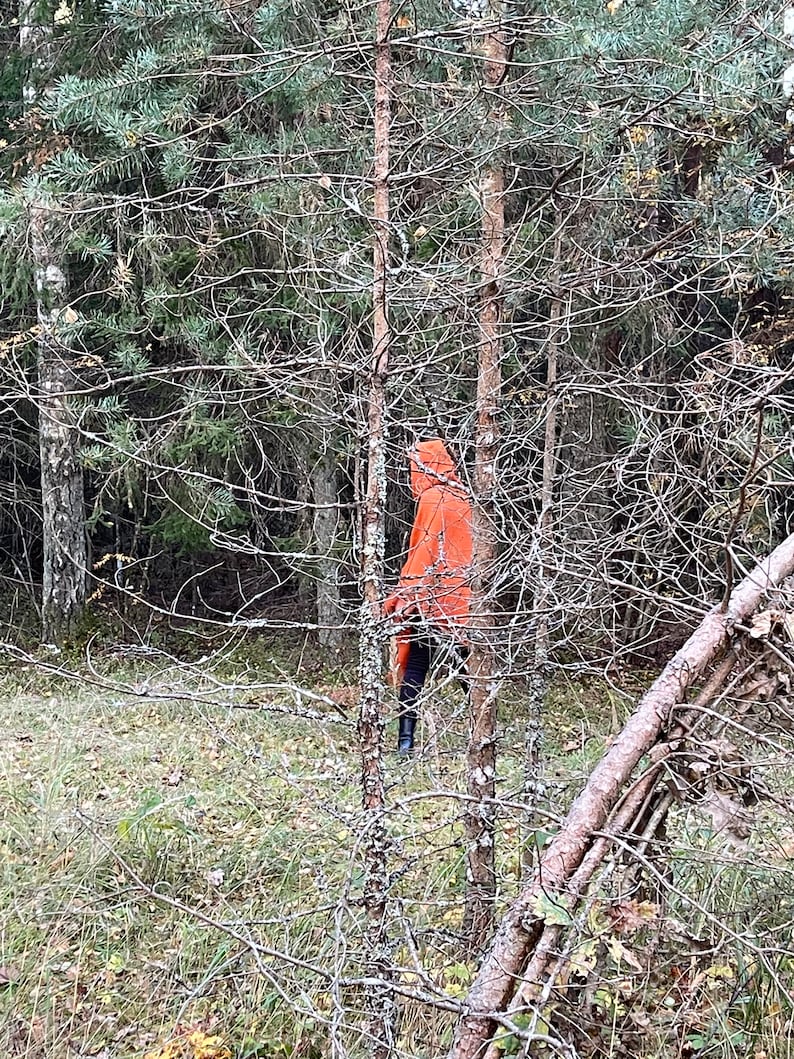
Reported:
(180, 855)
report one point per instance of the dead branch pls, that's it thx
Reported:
(520, 930)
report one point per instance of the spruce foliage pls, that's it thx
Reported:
(213, 162)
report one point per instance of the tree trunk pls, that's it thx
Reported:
(501, 971)
(63, 509)
(380, 998)
(65, 567)
(325, 488)
(538, 678)
(585, 511)
(479, 818)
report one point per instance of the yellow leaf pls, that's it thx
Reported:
(721, 970)
(172, 1050)
(458, 972)
(403, 22)
(583, 959)
(205, 1047)
(192, 1044)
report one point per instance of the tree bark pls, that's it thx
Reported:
(63, 507)
(325, 489)
(585, 513)
(538, 678)
(502, 969)
(479, 818)
(380, 999)
(65, 565)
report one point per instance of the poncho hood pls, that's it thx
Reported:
(431, 465)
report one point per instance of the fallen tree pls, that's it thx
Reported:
(606, 805)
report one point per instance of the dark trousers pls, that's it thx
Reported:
(420, 657)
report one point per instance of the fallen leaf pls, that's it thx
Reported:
(728, 817)
(584, 959)
(620, 954)
(344, 695)
(63, 861)
(8, 975)
(785, 847)
(555, 913)
(37, 1029)
(627, 917)
(760, 687)
(763, 623)
(191, 1043)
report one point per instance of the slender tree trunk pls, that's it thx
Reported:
(65, 552)
(502, 970)
(63, 508)
(479, 819)
(538, 678)
(380, 999)
(325, 489)
(584, 504)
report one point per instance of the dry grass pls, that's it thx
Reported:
(188, 860)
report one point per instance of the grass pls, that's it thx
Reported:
(188, 860)
(115, 814)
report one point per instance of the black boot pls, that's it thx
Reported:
(405, 738)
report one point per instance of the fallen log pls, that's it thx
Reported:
(504, 964)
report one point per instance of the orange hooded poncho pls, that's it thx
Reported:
(434, 580)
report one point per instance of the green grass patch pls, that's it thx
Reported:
(181, 863)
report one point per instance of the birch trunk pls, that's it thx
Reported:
(380, 998)
(479, 818)
(63, 508)
(501, 971)
(65, 561)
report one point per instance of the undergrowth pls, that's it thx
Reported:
(180, 872)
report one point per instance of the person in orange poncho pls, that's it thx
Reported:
(431, 601)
